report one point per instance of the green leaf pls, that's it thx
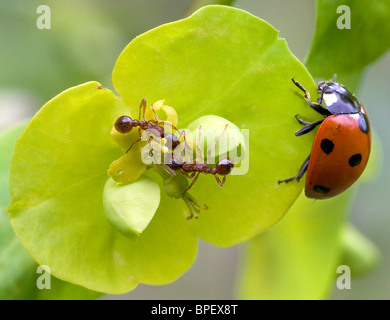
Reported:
(58, 173)
(297, 259)
(223, 61)
(16, 265)
(130, 208)
(18, 274)
(347, 51)
(196, 4)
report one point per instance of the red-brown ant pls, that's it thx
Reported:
(125, 124)
(192, 170)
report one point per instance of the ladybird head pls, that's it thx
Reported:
(337, 98)
(328, 87)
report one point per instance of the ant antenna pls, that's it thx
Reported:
(215, 143)
(143, 107)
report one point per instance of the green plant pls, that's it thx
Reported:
(57, 206)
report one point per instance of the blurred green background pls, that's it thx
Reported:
(83, 44)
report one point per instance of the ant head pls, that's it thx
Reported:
(224, 166)
(123, 124)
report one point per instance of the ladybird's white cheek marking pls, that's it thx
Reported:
(329, 98)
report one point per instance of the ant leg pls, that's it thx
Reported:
(187, 175)
(300, 174)
(168, 169)
(308, 126)
(186, 145)
(162, 123)
(315, 105)
(215, 143)
(221, 183)
(155, 114)
(197, 145)
(143, 107)
(182, 133)
(193, 181)
(134, 142)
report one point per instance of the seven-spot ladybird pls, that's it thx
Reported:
(341, 146)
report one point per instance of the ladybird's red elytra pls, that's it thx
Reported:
(342, 144)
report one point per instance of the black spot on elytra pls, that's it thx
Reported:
(363, 123)
(355, 160)
(321, 189)
(327, 146)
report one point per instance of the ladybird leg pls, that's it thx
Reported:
(303, 122)
(308, 127)
(300, 174)
(303, 168)
(319, 108)
(300, 87)
(314, 105)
